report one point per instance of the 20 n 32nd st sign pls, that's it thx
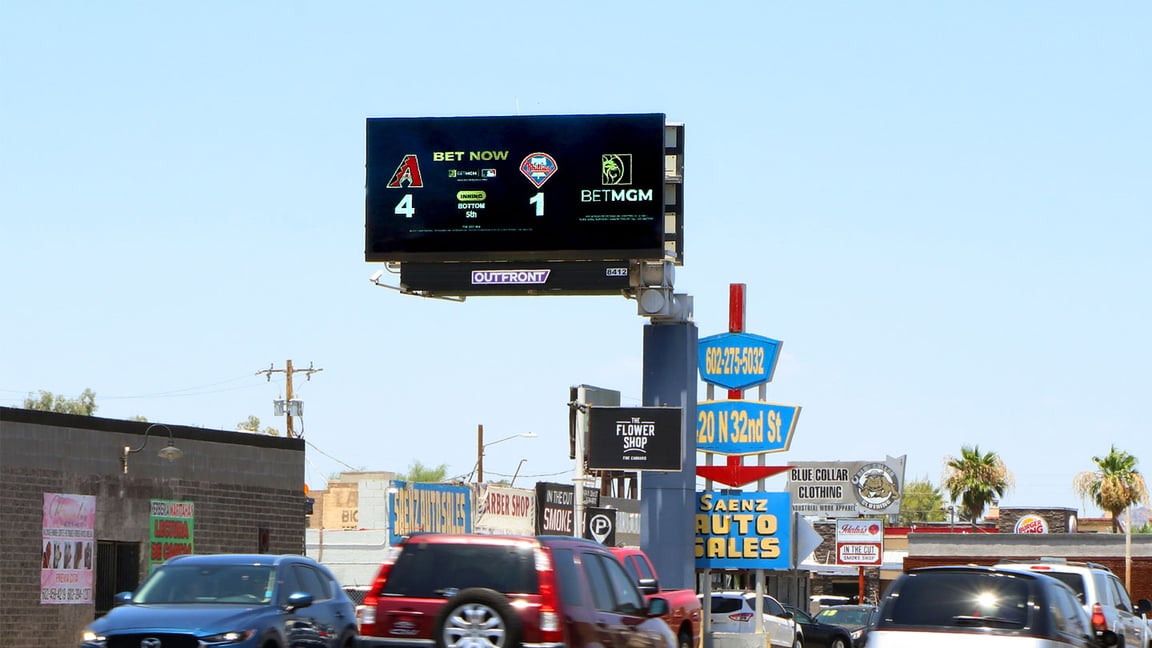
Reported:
(635, 438)
(741, 427)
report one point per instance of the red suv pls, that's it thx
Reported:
(482, 591)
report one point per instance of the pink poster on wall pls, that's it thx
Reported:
(69, 548)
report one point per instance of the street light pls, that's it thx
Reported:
(516, 474)
(169, 452)
(480, 445)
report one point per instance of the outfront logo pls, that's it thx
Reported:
(509, 277)
(616, 169)
(876, 486)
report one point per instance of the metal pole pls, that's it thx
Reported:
(578, 472)
(480, 454)
(1128, 551)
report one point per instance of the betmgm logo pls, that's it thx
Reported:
(876, 486)
(616, 169)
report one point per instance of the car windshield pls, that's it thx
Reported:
(1075, 581)
(245, 584)
(953, 599)
(438, 570)
(851, 617)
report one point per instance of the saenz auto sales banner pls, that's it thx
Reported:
(433, 508)
(588, 187)
(743, 530)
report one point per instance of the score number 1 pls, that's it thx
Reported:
(538, 200)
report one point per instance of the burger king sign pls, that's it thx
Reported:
(1031, 523)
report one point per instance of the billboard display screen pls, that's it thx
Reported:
(561, 187)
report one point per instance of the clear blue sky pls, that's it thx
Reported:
(942, 209)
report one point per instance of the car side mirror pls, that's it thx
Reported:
(657, 607)
(298, 600)
(648, 585)
(121, 598)
(1144, 606)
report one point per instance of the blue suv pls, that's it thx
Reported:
(230, 601)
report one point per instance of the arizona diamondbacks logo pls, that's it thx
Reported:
(876, 486)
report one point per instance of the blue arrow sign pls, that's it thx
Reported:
(738, 360)
(740, 427)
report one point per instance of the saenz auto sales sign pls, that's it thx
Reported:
(743, 530)
(860, 542)
(563, 187)
(635, 438)
(737, 360)
(741, 427)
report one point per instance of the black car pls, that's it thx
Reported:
(233, 600)
(968, 605)
(819, 634)
(855, 618)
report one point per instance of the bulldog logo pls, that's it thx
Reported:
(876, 487)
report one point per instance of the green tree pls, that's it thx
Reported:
(1114, 485)
(921, 501)
(975, 479)
(85, 404)
(418, 472)
(253, 425)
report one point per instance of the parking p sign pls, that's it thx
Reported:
(601, 526)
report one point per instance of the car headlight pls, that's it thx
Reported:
(92, 639)
(235, 636)
(856, 633)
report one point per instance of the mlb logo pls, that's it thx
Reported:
(488, 173)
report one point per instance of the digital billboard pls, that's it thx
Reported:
(557, 187)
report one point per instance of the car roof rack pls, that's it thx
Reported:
(1056, 560)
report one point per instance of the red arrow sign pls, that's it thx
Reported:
(736, 474)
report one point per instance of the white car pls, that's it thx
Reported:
(1100, 592)
(735, 611)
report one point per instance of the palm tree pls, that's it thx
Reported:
(1114, 485)
(976, 479)
(921, 501)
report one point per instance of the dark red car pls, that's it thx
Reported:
(481, 591)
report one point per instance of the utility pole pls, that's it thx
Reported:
(289, 405)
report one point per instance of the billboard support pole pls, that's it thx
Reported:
(668, 499)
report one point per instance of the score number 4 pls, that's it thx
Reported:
(406, 209)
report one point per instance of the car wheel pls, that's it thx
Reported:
(478, 618)
(798, 642)
(838, 642)
(684, 639)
